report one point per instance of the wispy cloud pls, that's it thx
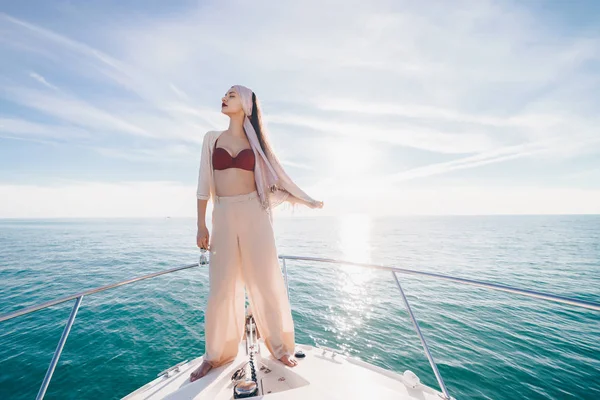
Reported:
(157, 155)
(393, 133)
(62, 41)
(42, 80)
(73, 110)
(438, 114)
(27, 129)
(496, 156)
(179, 92)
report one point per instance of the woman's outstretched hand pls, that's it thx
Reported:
(202, 237)
(316, 204)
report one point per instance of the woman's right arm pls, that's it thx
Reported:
(203, 194)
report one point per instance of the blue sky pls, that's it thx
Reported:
(379, 108)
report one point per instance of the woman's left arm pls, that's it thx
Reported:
(290, 192)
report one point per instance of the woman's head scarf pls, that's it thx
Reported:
(266, 166)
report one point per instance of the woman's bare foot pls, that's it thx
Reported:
(200, 371)
(288, 360)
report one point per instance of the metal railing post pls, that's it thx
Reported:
(285, 277)
(423, 342)
(59, 348)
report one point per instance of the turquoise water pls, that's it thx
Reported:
(488, 345)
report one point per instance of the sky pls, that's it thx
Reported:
(376, 108)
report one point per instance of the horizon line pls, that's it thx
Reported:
(309, 216)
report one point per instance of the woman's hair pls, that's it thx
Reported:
(261, 133)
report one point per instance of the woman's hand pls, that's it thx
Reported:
(203, 237)
(316, 204)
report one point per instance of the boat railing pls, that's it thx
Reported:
(78, 297)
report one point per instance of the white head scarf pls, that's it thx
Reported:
(266, 166)
(273, 184)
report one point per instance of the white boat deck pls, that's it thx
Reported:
(317, 376)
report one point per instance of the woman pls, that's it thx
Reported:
(244, 189)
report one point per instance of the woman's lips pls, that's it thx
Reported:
(223, 105)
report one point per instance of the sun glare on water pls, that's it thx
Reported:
(354, 245)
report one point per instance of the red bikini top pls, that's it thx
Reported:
(221, 159)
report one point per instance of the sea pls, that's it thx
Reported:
(487, 344)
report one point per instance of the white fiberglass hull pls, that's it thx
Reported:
(322, 374)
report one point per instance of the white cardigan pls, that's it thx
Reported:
(287, 190)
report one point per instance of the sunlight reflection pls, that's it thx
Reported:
(353, 308)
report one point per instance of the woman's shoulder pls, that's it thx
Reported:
(210, 136)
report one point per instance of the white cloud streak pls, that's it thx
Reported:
(74, 111)
(496, 156)
(19, 127)
(42, 80)
(413, 136)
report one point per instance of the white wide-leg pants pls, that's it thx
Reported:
(243, 253)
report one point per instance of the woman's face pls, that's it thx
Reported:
(231, 103)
